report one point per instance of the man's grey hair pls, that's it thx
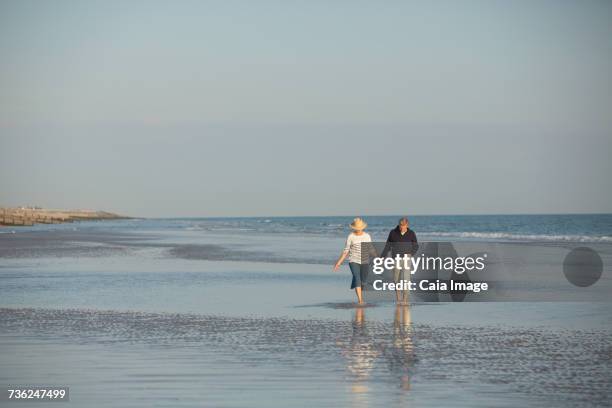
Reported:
(403, 220)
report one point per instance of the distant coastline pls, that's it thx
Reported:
(27, 216)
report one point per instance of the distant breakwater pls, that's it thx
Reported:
(31, 216)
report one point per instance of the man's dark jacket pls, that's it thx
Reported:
(401, 244)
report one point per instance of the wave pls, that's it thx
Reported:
(520, 237)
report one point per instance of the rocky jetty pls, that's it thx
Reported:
(29, 216)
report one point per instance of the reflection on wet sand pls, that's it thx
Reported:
(362, 352)
(400, 354)
(358, 361)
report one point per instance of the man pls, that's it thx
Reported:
(402, 241)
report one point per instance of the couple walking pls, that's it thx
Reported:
(401, 240)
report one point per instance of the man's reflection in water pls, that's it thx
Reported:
(400, 353)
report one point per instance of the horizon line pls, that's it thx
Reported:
(372, 215)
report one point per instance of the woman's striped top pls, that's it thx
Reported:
(353, 247)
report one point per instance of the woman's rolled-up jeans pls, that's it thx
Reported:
(360, 274)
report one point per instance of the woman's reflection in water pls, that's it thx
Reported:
(360, 352)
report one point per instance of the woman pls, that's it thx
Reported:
(359, 264)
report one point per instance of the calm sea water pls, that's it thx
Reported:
(565, 227)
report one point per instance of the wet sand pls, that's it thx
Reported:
(74, 243)
(175, 356)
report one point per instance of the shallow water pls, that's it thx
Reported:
(141, 317)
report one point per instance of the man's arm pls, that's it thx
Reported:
(415, 244)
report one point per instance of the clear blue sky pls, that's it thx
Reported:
(180, 108)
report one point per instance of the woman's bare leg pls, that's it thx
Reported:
(358, 292)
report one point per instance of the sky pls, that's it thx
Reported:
(244, 108)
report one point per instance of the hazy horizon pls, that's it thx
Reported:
(174, 109)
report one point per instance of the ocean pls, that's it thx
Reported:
(247, 312)
(529, 227)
